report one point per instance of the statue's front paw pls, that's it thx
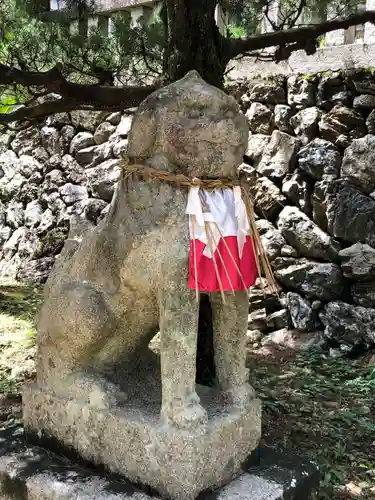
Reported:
(185, 416)
(240, 396)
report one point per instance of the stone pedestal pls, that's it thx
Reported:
(129, 440)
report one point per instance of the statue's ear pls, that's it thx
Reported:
(142, 134)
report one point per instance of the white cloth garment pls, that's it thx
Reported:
(226, 216)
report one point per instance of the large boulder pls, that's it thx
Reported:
(348, 324)
(358, 262)
(319, 158)
(350, 214)
(323, 281)
(304, 235)
(279, 155)
(358, 164)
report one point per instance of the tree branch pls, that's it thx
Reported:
(73, 95)
(293, 35)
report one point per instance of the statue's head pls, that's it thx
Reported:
(193, 127)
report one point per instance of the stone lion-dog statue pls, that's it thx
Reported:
(109, 293)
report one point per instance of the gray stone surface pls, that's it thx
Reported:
(131, 441)
(28, 471)
(260, 118)
(358, 262)
(278, 156)
(323, 281)
(350, 214)
(110, 291)
(348, 324)
(304, 235)
(358, 163)
(319, 158)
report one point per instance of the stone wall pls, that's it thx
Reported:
(311, 157)
(60, 173)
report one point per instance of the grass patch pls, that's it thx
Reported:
(322, 408)
(18, 307)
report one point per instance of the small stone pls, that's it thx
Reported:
(81, 141)
(47, 222)
(283, 114)
(260, 118)
(363, 293)
(297, 187)
(278, 320)
(267, 197)
(350, 214)
(301, 92)
(94, 155)
(120, 148)
(288, 251)
(14, 214)
(302, 314)
(258, 320)
(364, 102)
(269, 93)
(256, 146)
(114, 118)
(71, 193)
(103, 179)
(279, 155)
(33, 214)
(103, 132)
(26, 141)
(358, 163)
(253, 336)
(124, 126)
(305, 123)
(50, 140)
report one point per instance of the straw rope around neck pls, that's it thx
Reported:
(184, 181)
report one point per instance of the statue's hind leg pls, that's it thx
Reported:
(74, 325)
(230, 326)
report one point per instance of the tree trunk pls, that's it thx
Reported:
(193, 40)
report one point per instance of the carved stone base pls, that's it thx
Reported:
(129, 440)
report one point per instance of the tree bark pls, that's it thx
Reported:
(193, 41)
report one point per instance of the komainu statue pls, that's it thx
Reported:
(111, 292)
